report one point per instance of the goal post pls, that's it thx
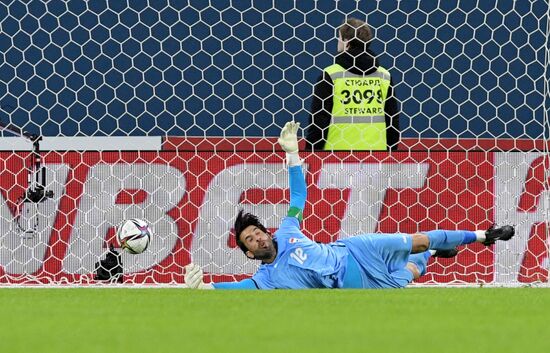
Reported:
(169, 111)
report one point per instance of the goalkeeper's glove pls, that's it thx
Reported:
(193, 277)
(289, 143)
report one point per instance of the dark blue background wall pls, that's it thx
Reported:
(242, 68)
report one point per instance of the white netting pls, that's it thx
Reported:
(169, 111)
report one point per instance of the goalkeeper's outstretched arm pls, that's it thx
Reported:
(194, 280)
(298, 194)
(298, 191)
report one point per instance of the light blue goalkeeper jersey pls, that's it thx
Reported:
(362, 261)
(365, 261)
(301, 262)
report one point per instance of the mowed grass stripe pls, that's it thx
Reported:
(179, 320)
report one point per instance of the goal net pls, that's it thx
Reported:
(169, 111)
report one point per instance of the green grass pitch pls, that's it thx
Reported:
(178, 320)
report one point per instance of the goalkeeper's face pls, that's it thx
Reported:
(259, 244)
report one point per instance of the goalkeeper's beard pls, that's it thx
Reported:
(266, 254)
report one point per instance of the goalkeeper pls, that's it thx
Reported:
(291, 260)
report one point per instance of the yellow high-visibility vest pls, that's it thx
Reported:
(358, 119)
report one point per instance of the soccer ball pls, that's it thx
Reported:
(134, 235)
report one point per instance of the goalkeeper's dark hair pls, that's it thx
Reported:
(356, 32)
(244, 220)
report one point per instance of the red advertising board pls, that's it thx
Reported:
(190, 199)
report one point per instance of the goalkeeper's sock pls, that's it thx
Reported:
(450, 239)
(421, 260)
(480, 236)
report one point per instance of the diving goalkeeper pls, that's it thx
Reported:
(290, 260)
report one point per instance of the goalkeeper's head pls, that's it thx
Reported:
(253, 238)
(354, 34)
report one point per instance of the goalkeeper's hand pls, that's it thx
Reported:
(193, 277)
(289, 137)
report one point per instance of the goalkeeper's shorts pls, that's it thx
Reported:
(381, 260)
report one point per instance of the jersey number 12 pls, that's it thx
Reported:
(299, 255)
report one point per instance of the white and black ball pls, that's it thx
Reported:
(134, 235)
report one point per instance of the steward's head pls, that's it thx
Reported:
(354, 34)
